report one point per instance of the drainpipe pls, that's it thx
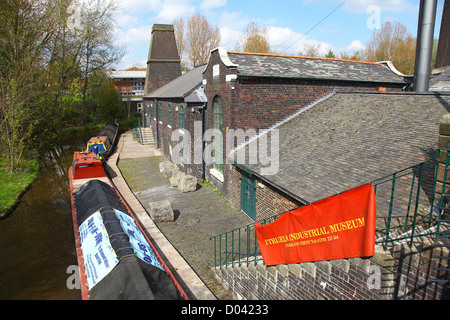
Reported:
(202, 110)
(424, 47)
(157, 124)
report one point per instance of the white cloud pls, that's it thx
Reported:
(231, 25)
(135, 36)
(360, 6)
(287, 41)
(355, 45)
(229, 37)
(171, 9)
(139, 6)
(210, 4)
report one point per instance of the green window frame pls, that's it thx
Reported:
(181, 117)
(160, 112)
(155, 109)
(182, 159)
(169, 115)
(218, 124)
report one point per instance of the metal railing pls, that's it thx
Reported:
(406, 209)
(140, 130)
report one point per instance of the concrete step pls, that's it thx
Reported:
(146, 136)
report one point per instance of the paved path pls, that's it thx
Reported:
(199, 215)
(186, 276)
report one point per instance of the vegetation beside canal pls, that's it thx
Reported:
(13, 185)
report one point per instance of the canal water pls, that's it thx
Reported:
(37, 243)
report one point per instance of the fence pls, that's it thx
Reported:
(406, 209)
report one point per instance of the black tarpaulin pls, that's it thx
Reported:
(132, 278)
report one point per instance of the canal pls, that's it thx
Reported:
(36, 239)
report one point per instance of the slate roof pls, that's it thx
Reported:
(297, 67)
(182, 87)
(117, 74)
(441, 81)
(350, 139)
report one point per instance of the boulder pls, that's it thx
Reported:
(187, 183)
(161, 211)
(166, 168)
(175, 178)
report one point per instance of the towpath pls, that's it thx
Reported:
(199, 215)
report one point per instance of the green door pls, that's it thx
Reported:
(248, 197)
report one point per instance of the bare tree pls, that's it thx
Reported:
(178, 24)
(392, 42)
(96, 39)
(47, 46)
(201, 38)
(311, 50)
(25, 31)
(254, 39)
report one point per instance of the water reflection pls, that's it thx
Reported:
(36, 240)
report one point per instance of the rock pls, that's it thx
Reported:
(166, 168)
(175, 178)
(161, 211)
(187, 183)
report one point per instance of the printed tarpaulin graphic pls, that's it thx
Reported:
(338, 227)
(137, 240)
(99, 256)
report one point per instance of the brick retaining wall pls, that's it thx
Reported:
(401, 272)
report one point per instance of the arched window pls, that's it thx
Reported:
(218, 124)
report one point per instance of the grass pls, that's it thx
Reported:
(12, 185)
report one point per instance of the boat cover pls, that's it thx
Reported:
(98, 145)
(87, 165)
(104, 142)
(109, 130)
(119, 262)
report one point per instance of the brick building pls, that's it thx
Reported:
(256, 91)
(174, 108)
(163, 64)
(443, 50)
(130, 86)
(341, 142)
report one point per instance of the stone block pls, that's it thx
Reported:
(166, 168)
(341, 264)
(187, 183)
(175, 178)
(325, 266)
(444, 142)
(444, 125)
(161, 211)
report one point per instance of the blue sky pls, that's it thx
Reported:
(347, 29)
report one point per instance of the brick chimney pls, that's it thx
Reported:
(443, 50)
(163, 63)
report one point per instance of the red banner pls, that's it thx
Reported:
(338, 227)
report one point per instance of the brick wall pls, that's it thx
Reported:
(163, 63)
(443, 50)
(259, 103)
(401, 272)
(269, 200)
(165, 131)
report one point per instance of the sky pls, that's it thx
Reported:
(339, 25)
